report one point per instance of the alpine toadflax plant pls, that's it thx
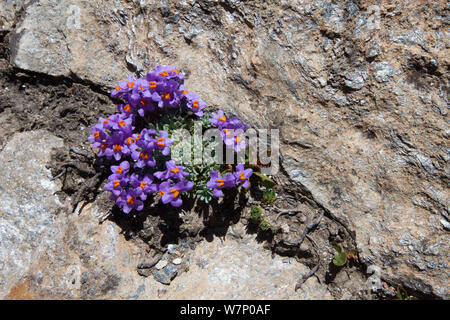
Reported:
(136, 143)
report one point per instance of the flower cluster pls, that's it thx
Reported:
(137, 152)
(231, 130)
(238, 178)
(161, 88)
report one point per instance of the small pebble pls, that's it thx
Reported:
(177, 261)
(171, 248)
(161, 264)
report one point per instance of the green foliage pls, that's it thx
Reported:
(265, 181)
(255, 213)
(262, 222)
(403, 295)
(340, 257)
(269, 196)
(199, 175)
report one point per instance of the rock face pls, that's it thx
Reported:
(357, 89)
(28, 206)
(50, 254)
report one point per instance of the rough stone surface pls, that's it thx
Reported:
(8, 11)
(29, 221)
(63, 38)
(359, 90)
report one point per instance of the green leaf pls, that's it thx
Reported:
(336, 247)
(264, 225)
(269, 196)
(340, 259)
(265, 181)
(255, 213)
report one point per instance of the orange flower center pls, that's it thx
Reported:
(241, 175)
(184, 91)
(117, 148)
(195, 104)
(152, 85)
(129, 140)
(96, 135)
(143, 184)
(119, 170)
(166, 96)
(127, 108)
(130, 200)
(104, 146)
(223, 119)
(221, 182)
(175, 192)
(160, 142)
(130, 84)
(164, 73)
(121, 123)
(118, 88)
(144, 155)
(175, 170)
(116, 183)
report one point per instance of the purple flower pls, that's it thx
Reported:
(145, 183)
(170, 96)
(242, 175)
(233, 139)
(123, 88)
(163, 142)
(121, 122)
(140, 86)
(142, 152)
(195, 104)
(173, 171)
(115, 147)
(171, 194)
(163, 73)
(122, 169)
(129, 200)
(105, 123)
(218, 119)
(217, 183)
(127, 110)
(117, 183)
(98, 136)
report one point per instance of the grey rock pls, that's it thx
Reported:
(374, 50)
(172, 248)
(29, 209)
(355, 80)
(148, 265)
(8, 12)
(383, 71)
(49, 40)
(166, 275)
(445, 223)
(144, 272)
(292, 55)
(177, 261)
(161, 264)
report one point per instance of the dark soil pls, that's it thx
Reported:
(68, 108)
